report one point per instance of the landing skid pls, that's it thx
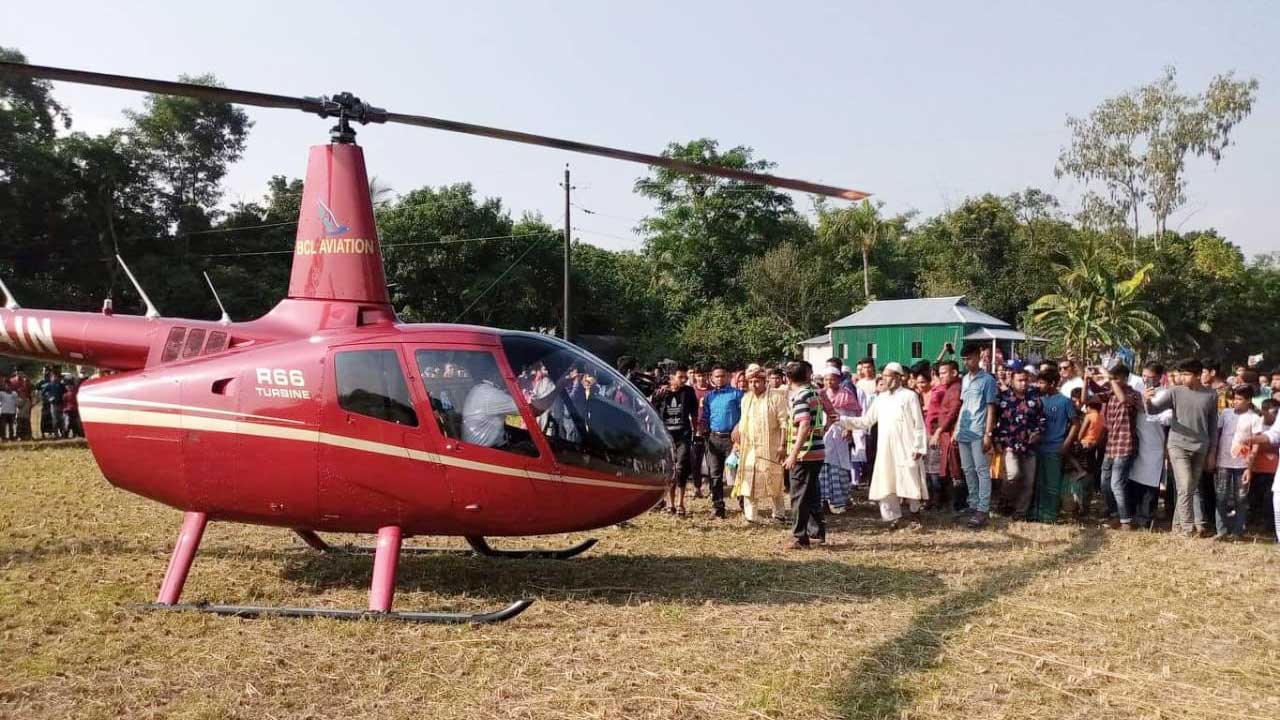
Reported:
(479, 546)
(382, 587)
(250, 611)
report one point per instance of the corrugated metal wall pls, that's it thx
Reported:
(895, 343)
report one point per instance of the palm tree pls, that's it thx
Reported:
(380, 193)
(860, 224)
(1095, 305)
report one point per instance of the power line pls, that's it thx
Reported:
(510, 267)
(604, 234)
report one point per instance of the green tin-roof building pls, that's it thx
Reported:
(907, 331)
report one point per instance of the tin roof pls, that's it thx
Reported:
(818, 340)
(995, 334)
(918, 311)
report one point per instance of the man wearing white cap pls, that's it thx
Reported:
(899, 472)
(760, 439)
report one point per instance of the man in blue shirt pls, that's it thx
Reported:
(721, 410)
(977, 421)
(1059, 435)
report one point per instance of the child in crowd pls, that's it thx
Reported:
(8, 412)
(1236, 425)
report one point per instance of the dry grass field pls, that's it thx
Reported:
(663, 619)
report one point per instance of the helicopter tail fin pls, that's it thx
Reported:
(337, 255)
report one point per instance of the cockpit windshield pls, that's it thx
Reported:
(593, 417)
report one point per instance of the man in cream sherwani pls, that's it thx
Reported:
(902, 442)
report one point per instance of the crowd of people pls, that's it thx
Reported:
(1042, 442)
(54, 396)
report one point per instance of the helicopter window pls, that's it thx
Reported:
(217, 342)
(472, 402)
(173, 344)
(195, 340)
(370, 382)
(590, 415)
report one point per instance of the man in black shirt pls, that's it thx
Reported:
(677, 403)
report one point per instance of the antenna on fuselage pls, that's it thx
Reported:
(152, 312)
(225, 319)
(9, 302)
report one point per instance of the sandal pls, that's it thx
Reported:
(978, 520)
(680, 513)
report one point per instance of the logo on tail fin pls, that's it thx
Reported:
(331, 224)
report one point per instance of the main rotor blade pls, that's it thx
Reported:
(162, 87)
(316, 105)
(616, 154)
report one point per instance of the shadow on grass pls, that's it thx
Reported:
(880, 686)
(625, 579)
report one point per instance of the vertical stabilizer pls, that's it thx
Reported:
(337, 255)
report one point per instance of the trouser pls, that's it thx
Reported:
(1275, 510)
(1233, 501)
(937, 490)
(719, 446)
(751, 512)
(1020, 481)
(46, 421)
(1260, 500)
(1142, 503)
(55, 410)
(24, 425)
(1115, 475)
(1187, 467)
(1048, 488)
(1093, 463)
(959, 493)
(977, 474)
(696, 451)
(74, 428)
(806, 508)
(7, 431)
(891, 507)
(1208, 498)
(680, 444)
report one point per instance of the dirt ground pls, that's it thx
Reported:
(662, 619)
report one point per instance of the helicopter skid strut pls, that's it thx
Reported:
(381, 589)
(479, 546)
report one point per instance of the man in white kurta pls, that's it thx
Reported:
(902, 444)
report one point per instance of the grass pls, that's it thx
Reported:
(663, 619)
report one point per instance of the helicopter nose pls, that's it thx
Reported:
(612, 505)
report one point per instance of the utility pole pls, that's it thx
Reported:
(566, 331)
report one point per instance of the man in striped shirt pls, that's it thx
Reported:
(805, 458)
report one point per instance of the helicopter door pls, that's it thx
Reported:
(482, 422)
(375, 461)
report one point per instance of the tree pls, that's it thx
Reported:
(452, 258)
(707, 227)
(796, 289)
(1136, 144)
(982, 251)
(859, 225)
(188, 144)
(1097, 305)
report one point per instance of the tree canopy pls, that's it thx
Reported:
(729, 271)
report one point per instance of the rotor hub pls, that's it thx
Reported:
(347, 108)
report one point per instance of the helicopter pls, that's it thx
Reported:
(328, 414)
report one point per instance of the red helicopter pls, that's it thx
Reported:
(328, 414)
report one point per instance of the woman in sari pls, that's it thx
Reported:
(844, 447)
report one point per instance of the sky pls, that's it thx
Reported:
(921, 104)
